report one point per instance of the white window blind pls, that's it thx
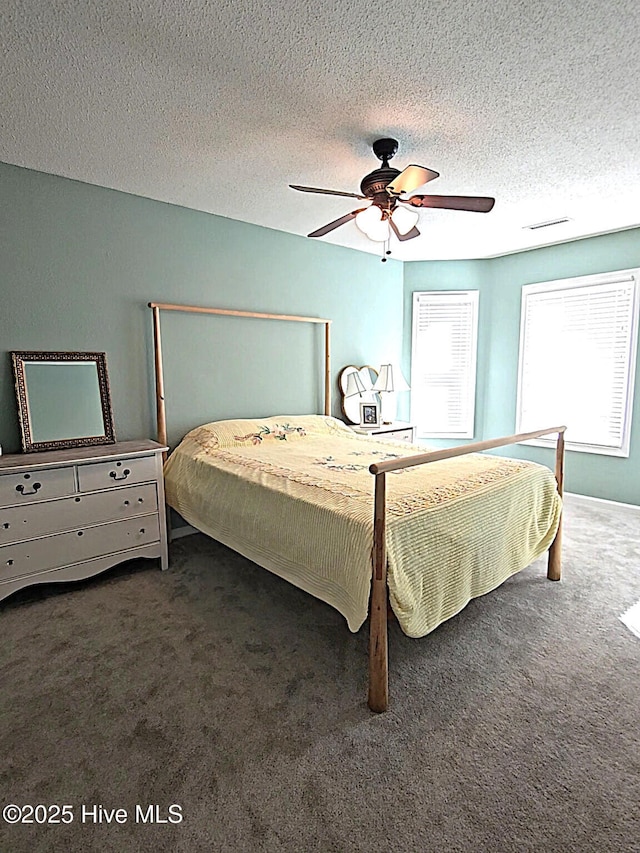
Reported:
(443, 363)
(578, 345)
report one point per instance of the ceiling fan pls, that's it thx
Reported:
(388, 212)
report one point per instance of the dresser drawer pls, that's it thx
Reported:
(18, 523)
(28, 486)
(119, 472)
(401, 435)
(53, 552)
(396, 435)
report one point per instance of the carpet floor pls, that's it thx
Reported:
(223, 696)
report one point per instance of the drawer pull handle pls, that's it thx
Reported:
(126, 503)
(78, 500)
(34, 491)
(6, 525)
(125, 474)
(142, 530)
(140, 500)
(9, 562)
(80, 532)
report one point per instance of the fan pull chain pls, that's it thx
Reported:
(387, 251)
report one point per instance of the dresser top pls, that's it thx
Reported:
(96, 453)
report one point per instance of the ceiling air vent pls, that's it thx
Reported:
(546, 224)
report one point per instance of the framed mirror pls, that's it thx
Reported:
(63, 399)
(356, 386)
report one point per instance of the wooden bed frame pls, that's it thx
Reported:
(378, 698)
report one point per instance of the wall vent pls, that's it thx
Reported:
(546, 224)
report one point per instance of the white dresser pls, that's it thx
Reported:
(69, 514)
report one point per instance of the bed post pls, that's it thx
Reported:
(554, 565)
(161, 413)
(378, 642)
(327, 367)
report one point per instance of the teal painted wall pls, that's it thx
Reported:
(79, 263)
(500, 281)
(447, 275)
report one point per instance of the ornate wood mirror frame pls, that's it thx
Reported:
(63, 399)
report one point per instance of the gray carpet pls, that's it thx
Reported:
(222, 689)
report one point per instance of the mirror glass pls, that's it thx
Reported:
(356, 386)
(63, 400)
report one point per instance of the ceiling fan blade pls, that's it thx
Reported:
(320, 232)
(402, 237)
(410, 179)
(325, 192)
(477, 204)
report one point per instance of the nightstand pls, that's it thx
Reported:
(69, 514)
(396, 431)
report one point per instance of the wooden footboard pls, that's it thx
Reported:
(378, 639)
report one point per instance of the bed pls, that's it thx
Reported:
(424, 535)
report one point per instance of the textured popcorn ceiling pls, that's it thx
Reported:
(218, 106)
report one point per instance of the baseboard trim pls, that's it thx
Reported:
(184, 530)
(603, 501)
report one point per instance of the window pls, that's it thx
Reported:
(578, 343)
(443, 363)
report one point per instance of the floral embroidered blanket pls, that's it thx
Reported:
(294, 494)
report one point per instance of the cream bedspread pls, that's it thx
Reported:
(295, 495)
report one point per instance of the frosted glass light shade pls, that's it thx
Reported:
(371, 223)
(379, 232)
(368, 218)
(404, 219)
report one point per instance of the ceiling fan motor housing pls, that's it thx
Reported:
(385, 149)
(376, 182)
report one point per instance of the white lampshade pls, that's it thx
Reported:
(354, 385)
(389, 381)
(390, 378)
(405, 219)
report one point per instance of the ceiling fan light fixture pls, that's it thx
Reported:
(368, 217)
(373, 225)
(380, 232)
(405, 219)
(388, 213)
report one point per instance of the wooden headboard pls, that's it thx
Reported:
(156, 307)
